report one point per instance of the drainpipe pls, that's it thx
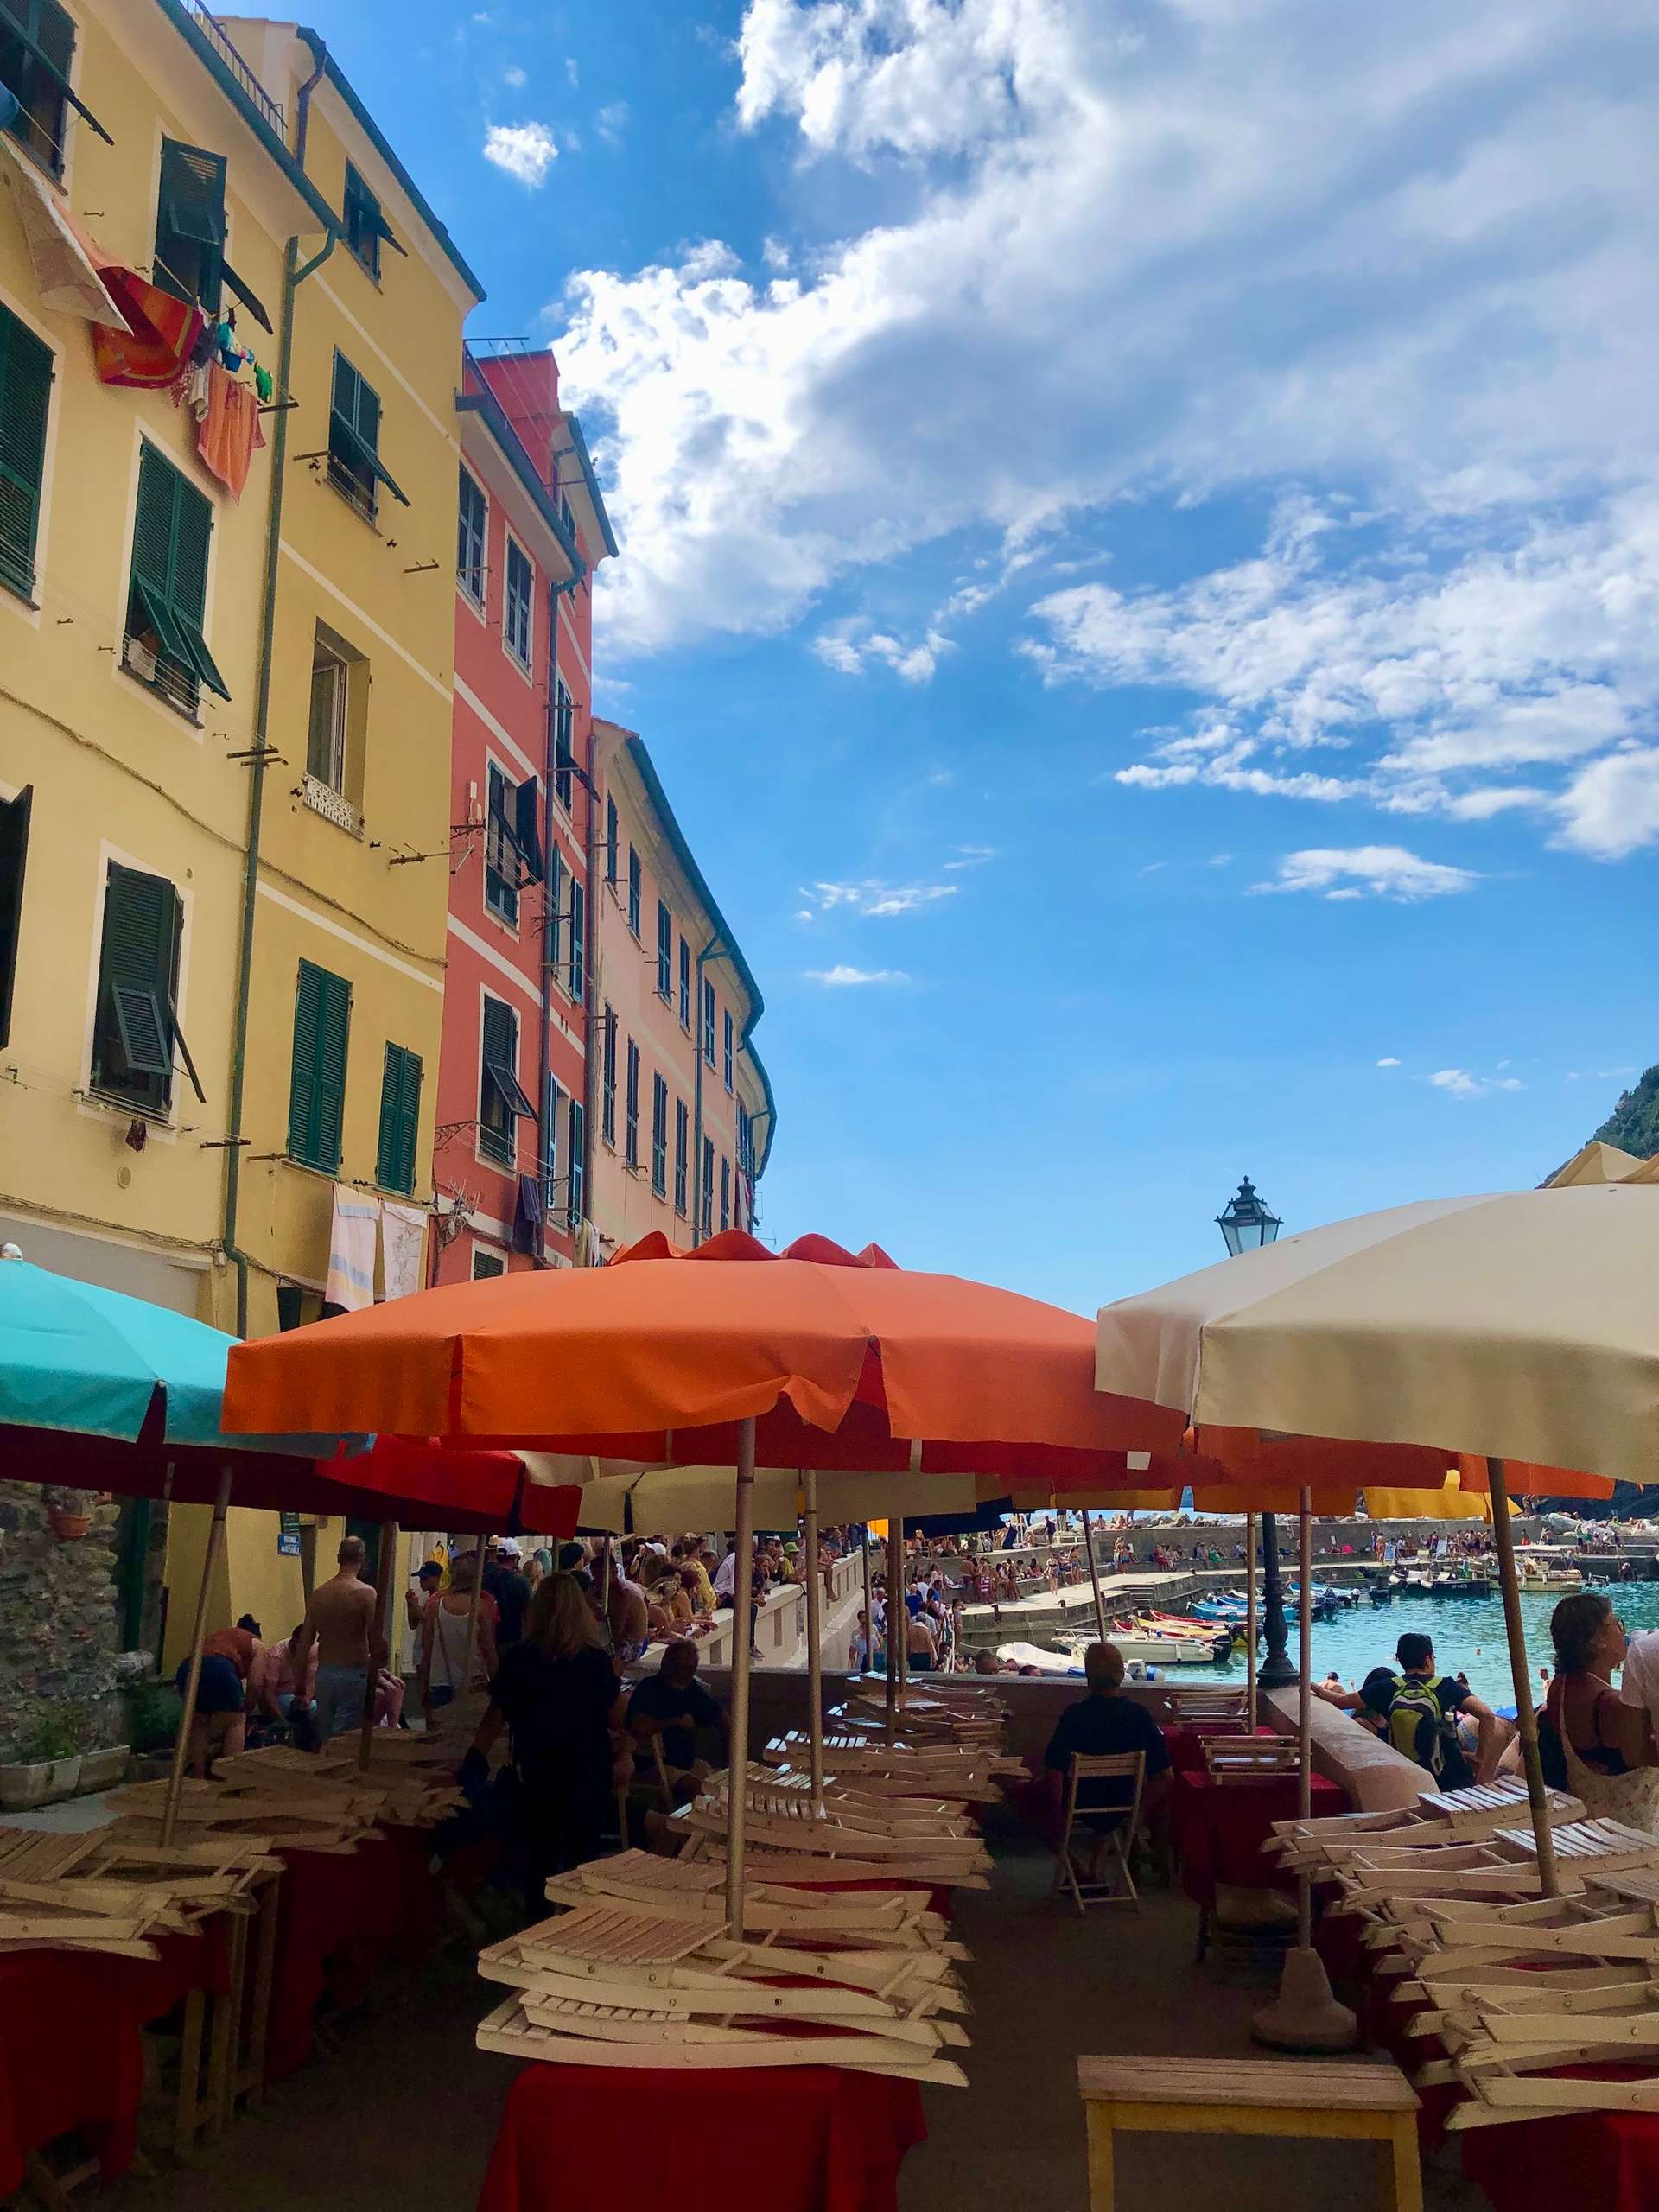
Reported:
(302, 102)
(546, 1138)
(714, 947)
(294, 276)
(591, 976)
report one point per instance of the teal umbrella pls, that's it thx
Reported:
(75, 1356)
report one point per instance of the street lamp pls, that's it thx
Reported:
(1246, 1226)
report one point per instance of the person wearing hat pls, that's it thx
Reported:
(510, 1587)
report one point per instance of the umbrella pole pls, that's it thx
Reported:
(473, 1611)
(1094, 1576)
(1249, 1624)
(869, 1608)
(814, 1638)
(192, 1680)
(383, 1572)
(1305, 2016)
(742, 1599)
(1526, 1719)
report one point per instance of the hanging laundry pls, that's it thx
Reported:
(264, 386)
(351, 1250)
(230, 430)
(205, 347)
(198, 388)
(163, 333)
(66, 261)
(402, 1245)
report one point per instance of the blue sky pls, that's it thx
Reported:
(1140, 569)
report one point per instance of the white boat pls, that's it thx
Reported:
(1540, 1575)
(1149, 1650)
(1044, 1663)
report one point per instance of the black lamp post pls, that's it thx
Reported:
(1246, 1226)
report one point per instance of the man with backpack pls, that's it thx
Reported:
(1416, 1710)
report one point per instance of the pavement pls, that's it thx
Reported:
(404, 2115)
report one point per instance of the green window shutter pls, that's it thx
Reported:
(400, 1117)
(25, 403)
(190, 223)
(132, 1037)
(316, 1102)
(172, 532)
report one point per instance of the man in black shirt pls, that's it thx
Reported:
(672, 1704)
(1106, 1722)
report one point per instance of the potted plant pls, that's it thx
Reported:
(68, 1514)
(154, 1712)
(47, 1766)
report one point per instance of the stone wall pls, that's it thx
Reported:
(60, 1621)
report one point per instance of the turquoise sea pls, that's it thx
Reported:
(1468, 1635)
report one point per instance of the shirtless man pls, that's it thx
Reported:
(340, 1620)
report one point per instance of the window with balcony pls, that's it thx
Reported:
(166, 593)
(26, 370)
(136, 1034)
(355, 468)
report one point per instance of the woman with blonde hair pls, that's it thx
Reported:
(443, 1639)
(556, 1692)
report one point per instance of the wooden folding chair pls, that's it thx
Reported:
(1112, 1828)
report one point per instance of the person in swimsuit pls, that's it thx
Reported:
(1590, 1741)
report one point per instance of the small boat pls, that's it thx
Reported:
(1141, 1640)
(1460, 1582)
(1539, 1574)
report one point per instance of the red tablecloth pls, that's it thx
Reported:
(810, 2138)
(1607, 2159)
(71, 2047)
(1218, 1828)
(338, 1918)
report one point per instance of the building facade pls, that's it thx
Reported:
(683, 1109)
(511, 1152)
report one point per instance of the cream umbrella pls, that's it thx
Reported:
(1518, 1327)
(1594, 1162)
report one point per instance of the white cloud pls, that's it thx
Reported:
(970, 856)
(1442, 303)
(1611, 808)
(845, 978)
(515, 77)
(1388, 1062)
(805, 914)
(1457, 1082)
(873, 898)
(525, 150)
(851, 647)
(571, 71)
(940, 778)
(611, 121)
(1368, 871)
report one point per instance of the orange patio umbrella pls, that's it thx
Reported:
(730, 1355)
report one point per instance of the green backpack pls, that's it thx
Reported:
(1422, 1730)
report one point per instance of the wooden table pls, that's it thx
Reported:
(1340, 2098)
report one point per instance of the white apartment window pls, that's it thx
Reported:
(517, 618)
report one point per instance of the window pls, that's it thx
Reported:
(682, 1152)
(633, 893)
(725, 1192)
(400, 1120)
(706, 1188)
(14, 852)
(136, 1029)
(501, 1102)
(555, 908)
(576, 1184)
(517, 618)
(37, 45)
(708, 1022)
(512, 844)
(316, 1096)
(578, 941)
(631, 1109)
(659, 1135)
(366, 227)
(607, 1077)
(727, 1047)
(190, 259)
(25, 403)
(471, 567)
(355, 468)
(567, 516)
(665, 953)
(685, 985)
(339, 715)
(549, 1139)
(487, 1265)
(167, 597)
(745, 1142)
(565, 759)
(610, 839)
(325, 752)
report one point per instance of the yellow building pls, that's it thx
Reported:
(225, 723)
(685, 1115)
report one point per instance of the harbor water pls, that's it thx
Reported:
(1468, 1635)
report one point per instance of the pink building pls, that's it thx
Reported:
(512, 1145)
